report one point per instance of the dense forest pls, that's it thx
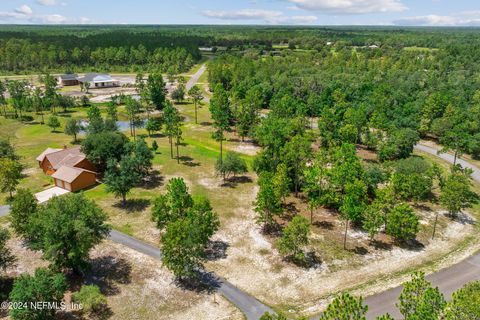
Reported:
(48, 49)
(311, 110)
(402, 92)
(143, 48)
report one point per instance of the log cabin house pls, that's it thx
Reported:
(69, 168)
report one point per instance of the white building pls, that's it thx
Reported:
(99, 80)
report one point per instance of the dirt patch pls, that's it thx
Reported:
(153, 294)
(253, 264)
(136, 286)
(247, 148)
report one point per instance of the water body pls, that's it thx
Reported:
(121, 125)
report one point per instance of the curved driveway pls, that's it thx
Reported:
(251, 307)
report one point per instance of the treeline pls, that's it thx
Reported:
(123, 50)
(141, 48)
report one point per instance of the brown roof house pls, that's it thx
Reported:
(69, 79)
(69, 168)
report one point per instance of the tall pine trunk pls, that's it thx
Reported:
(171, 146)
(435, 225)
(345, 236)
(196, 115)
(178, 156)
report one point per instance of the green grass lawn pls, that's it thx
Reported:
(198, 153)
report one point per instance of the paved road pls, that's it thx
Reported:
(251, 307)
(448, 280)
(194, 79)
(449, 158)
(4, 210)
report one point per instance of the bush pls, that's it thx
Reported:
(413, 179)
(232, 164)
(294, 238)
(24, 206)
(91, 299)
(465, 303)
(44, 285)
(402, 223)
(53, 123)
(399, 145)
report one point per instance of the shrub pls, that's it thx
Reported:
(91, 299)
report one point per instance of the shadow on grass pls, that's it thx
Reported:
(108, 273)
(274, 229)
(133, 205)
(327, 225)
(216, 250)
(6, 285)
(206, 123)
(412, 245)
(359, 250)
(290, 211)
(77, 142)
(189, 161)
(381, 245)
(157, 135)
(153, 180)
(461, 218)
(422, 207)
(232, 182)
(308, 261)
(202, 282)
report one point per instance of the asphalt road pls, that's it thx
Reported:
(447, 280)
(4, 210)
(194, 79)
(251, 307)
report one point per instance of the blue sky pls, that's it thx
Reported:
(268, 12)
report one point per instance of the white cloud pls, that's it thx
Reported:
(48, 2)
(245, 14)
(24, 9)
(268, 16)
(302, 19)
(467, 18)
(350, 6)
(25, 14)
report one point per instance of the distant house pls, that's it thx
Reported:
(69, 79)
(69, 168)
(99, 80)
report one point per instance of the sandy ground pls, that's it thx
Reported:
(254, 265)
(136, 286)
(247, 148)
